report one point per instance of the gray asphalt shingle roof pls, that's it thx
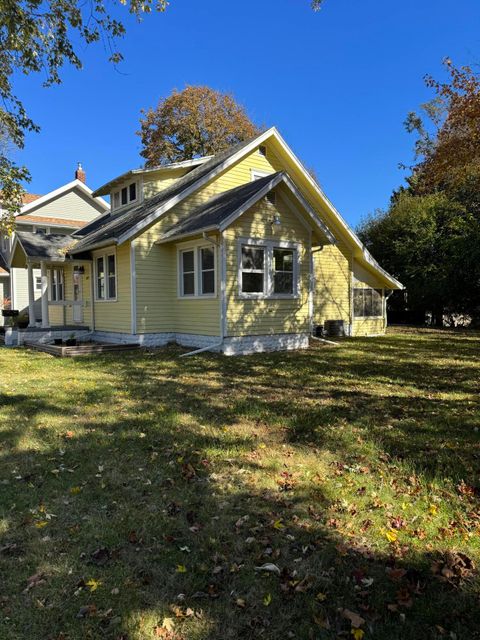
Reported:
(44, 246)
(219, 208)
(114, 225)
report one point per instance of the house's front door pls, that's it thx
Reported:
(77, 297)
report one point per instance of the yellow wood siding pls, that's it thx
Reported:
(155, 182)
(332, 297)
(267, 316)
(159, 308)
(116, 315)
(368, 326)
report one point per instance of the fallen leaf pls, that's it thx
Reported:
(268, 566)
(267, 599)
(93, 584)
(181, 568)
(355, 619)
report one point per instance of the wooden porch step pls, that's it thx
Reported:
(80, 349)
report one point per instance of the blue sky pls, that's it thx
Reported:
(337, 84)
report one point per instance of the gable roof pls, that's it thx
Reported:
(74, 184)
(120, 227)
(221, 210)
(40, 246)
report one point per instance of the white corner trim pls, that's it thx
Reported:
(223, 286)
(133, 288)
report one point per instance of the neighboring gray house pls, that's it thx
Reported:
(60, 212)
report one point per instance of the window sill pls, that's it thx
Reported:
(207, 296)
(106, 300)
(261, 296)
(368, 318)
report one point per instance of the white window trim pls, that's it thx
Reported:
(256, 174)
(104, 255)
(196, 247)
(138, 191)
(269, 246)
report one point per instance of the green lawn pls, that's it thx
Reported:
(140, 493)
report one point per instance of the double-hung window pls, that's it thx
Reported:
(253, 269)
(188, 273)
(106, 277)
(56, 285)
(268, 270)
(283, 271)
(197, 271)
(367, 303)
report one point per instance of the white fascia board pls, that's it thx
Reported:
(94, 246)
(186, 234)
(396, 284)
(155, 215)
(60, 191)
(365, 254)
(309, 209)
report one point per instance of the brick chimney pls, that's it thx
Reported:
(80, 173)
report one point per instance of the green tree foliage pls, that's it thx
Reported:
(430, 235)
(195, 122)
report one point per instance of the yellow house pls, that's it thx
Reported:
(237, 253)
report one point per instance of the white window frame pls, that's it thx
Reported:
(118, 192)
(196, 247)
(256, 174)
(269, 246)
(56, 277)
(105, 255)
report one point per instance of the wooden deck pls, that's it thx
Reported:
(86, 349)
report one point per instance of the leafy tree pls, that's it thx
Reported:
(448, 150)
(195, 122)
(38, 36)
(424, 240)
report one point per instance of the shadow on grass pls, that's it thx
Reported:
(161, 475)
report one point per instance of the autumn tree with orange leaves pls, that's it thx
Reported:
(192, 123)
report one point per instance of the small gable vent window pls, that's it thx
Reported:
(271, 197)
(125, 195)
(262, 150)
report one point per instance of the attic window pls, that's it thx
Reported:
(271, 197)
(262, 150)
(125, 195)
